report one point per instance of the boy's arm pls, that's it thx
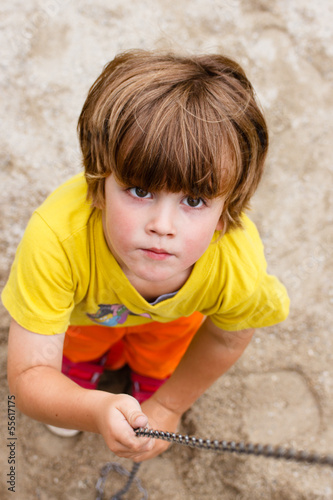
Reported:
(211, 353)
(44, 393)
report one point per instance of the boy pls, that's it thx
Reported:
(148, 260)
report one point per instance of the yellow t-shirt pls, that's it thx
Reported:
(64, 273)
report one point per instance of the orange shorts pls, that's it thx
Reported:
(153, 349)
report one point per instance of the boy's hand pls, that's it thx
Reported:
(159, 418)
(116, 419)
(120, 414)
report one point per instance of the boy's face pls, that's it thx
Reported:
(157, 237)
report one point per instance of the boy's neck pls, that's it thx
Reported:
(150, 291)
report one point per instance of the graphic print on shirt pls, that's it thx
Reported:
(113, 314)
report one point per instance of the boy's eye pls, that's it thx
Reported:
(193, 202)
(139, 193)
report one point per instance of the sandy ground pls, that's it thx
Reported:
(281, 389)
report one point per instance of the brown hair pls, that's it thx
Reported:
(178, 123)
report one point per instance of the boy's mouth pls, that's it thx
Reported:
(156, 253)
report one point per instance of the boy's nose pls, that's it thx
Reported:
(162, 221)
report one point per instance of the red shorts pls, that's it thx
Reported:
(153, 349)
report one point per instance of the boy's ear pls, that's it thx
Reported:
(219, 226)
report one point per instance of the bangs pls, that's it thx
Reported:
(175, 144)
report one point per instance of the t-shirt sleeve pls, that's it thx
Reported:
(250, 297)
(266, 306)
(39, 293)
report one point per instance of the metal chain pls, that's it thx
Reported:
(267, 450)
(277, 452)
(123, 472)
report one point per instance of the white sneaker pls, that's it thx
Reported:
(59, 431)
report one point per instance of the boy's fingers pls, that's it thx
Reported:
(137, 419)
